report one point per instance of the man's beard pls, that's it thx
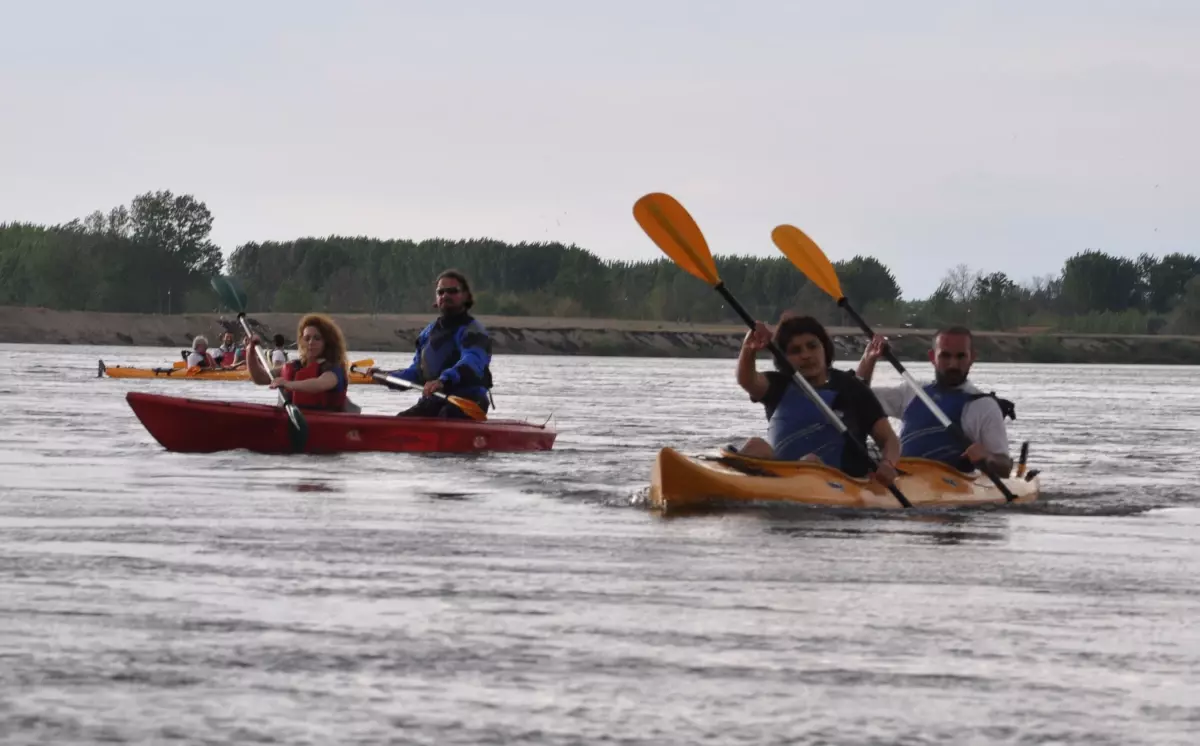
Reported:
(950, 378)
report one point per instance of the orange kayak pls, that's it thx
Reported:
(680, 482)
(199, 374)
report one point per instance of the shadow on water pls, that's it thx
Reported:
(452, 496)
(1094, 504)
(307, 486)
(940, 527)
(814, 518)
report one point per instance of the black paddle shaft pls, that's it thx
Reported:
(784, 364)
(284, 394)
(297, 427)
(954, 428)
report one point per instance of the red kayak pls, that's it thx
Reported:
(201, 426)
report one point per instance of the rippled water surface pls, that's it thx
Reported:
(532, 598)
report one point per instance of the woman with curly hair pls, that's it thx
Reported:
(318, 380)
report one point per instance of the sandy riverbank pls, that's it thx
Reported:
(564, 336)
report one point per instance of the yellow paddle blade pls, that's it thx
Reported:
(178, 364)
(671, 227)
(808, 258)
(468, 407)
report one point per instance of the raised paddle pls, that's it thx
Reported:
(297, 426)
(468, 407)
(672, 229)
(803, 252)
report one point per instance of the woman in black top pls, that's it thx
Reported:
(796, 427)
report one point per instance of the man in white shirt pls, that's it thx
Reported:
(200, 356)
(980, 415)
(279, 356)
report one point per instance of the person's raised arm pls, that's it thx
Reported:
(258, 374)
(754, 383)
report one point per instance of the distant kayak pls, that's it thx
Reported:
(193, 374)
(200, 426)
(681, 482)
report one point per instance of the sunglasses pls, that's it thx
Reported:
(448, 291)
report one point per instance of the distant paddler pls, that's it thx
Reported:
(200, 357)
(227, 354)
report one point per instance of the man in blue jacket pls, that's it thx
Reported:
(453, 354)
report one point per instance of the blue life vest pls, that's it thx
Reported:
(441, 348)
(797, 428)
(922, 434)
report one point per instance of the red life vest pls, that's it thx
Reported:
(333, 400)
(227, 359)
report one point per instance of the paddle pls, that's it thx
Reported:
(670, 226)
(235, 299)
(803, 252)
(468, 407)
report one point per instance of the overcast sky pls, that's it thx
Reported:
(1007, 135)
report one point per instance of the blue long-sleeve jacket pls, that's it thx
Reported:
(458, 351)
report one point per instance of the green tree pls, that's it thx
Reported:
(866, 280)
(1164, 279)
(1095, 281)
(1186, 319)
(995, 302)
(180, 225)
(292, 298)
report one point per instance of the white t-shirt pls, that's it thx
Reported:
(194, 359)
(982, 420)
(278, 357)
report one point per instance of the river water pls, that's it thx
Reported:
(150, 597)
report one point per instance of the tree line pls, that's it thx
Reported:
(153, 256)
(156, 256)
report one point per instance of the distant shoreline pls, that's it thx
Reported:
(574, 336)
